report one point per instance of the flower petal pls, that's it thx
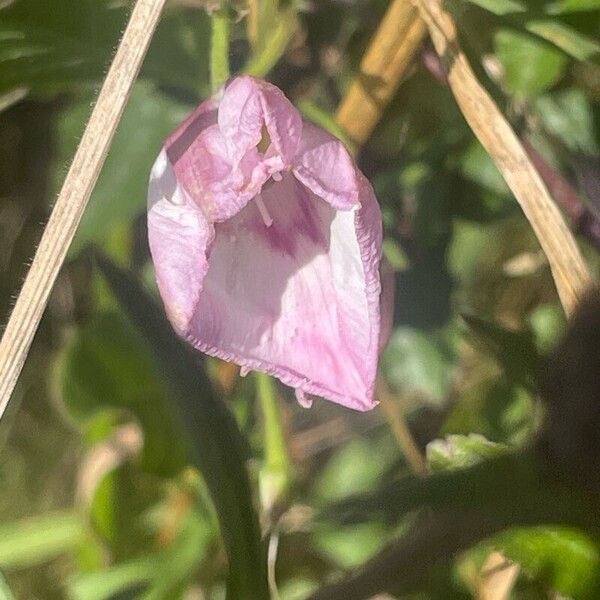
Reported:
(248, 104)
(296, 299)
(179, 236)
(325, 167)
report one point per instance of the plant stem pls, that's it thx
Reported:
(219, 49)
(277, 468)
(385, 62)
(400, 429)
(569, 270)
(75, 193)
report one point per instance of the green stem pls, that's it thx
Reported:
(276, 473)
(219, 49)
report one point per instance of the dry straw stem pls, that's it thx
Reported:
(385, 62)
(570, 273)
(395, 417)
(75, 192)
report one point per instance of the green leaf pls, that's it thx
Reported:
(566, 560)
(419, 362)
(501, 7)
(105, 584)
(120, 193)
(5, 593)
(568, 115)
(48, 46)
(566, 38)
(355, 467)
(548, 324)
(39, 539)
(107, 366)
(349, 547)
(531, 66)
(460, 451)
(213, 437)
(568, 6)
(515, 351)
(480, 168)
(178, 565)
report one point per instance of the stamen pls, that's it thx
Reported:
(262, 209)
(277, 176)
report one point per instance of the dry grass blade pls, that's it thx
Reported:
(383, 65)
(570, 273)
(74, 194)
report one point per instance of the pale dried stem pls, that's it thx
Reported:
(570, 273)
(387, 59)
(397, 422)
(73, 197)
(498, 576)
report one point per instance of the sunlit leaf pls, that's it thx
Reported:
(459, 451)
(39, 539)
(530, 65)
(48, 46)
(418, 362)
(5, 593)
(568, 115)
(566, 6)
(566, 560)
(566, 38)
(501, 7)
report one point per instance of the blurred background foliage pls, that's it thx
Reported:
(123, 457)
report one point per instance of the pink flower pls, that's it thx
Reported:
(266, 241)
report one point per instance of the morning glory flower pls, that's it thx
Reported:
(266, 241)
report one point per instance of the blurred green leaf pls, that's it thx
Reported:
(213, 437)
(349, 547)
(501, 7)
(548, 324)
(480, 168)
(5, 593)
(530, 65)
(567, 114)
(564, 559)
(39, 539)
(355, 467)
(106, 366)
(179, 563)
(419, 362)
(49, 46)
(566, 6)
(105, 584)
(120, 193)
(566, 38)
(460, 451)
(515, 351)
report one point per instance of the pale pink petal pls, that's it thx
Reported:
(179, 236)
(184, 136)
(250, 104)
(324, 166)
(296, 299)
